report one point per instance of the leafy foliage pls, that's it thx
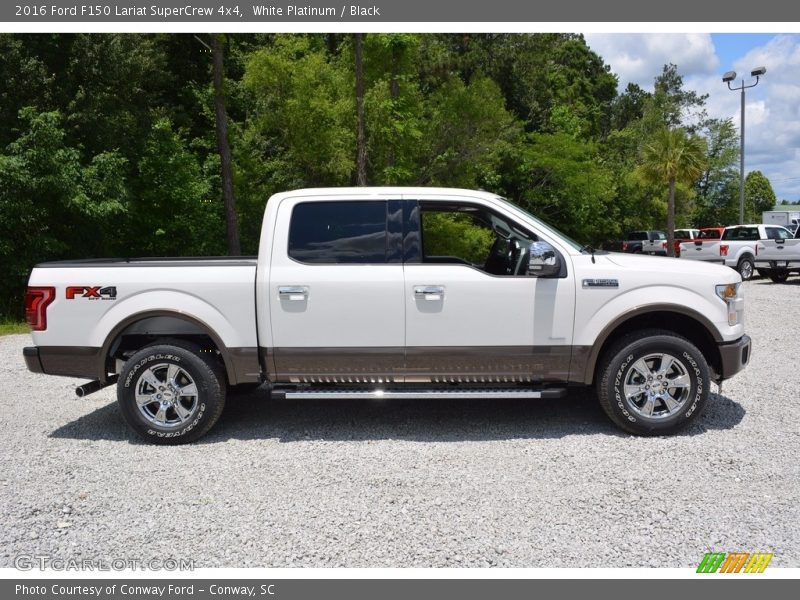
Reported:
(108, 147)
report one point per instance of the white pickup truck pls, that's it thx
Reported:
(738, 247)
(390, 293)
(779, 256)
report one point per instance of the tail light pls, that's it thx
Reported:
(624, 246)
(37, 299)
(723, 249)
(664, 245)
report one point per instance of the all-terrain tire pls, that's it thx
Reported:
(171, 393)
(675, 394)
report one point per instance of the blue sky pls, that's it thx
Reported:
(772, 129)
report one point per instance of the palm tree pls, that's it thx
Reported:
(672, 156)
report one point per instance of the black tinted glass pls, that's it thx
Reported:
(338, 232)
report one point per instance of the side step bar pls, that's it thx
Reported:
(421, 394)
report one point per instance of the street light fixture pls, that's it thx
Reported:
(727, 78)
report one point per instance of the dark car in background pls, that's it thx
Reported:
(634, 240)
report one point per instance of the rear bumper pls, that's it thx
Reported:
(734, 356)
(31, 355)
(68, 361)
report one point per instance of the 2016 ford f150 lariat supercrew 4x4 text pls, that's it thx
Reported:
(391, 292)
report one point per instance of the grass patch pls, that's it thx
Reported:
(13, 327)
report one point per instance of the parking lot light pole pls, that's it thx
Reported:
(727, 78)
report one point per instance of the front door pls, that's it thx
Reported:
(472, 313)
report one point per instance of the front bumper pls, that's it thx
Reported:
(734, 357)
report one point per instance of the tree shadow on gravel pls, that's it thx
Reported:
(256, 416)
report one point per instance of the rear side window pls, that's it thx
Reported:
(659, 235)
(746, 234)
(338, 232)
(709, 234)
(637, 235)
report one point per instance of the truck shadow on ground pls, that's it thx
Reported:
(255, 416)
(793, 280)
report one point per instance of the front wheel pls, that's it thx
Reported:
(171, 394)
(653, 382)
(745, 268)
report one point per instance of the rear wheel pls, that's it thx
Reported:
(653, 382)
(745, 267)
(171, 394)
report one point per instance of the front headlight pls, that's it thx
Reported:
(729, 293)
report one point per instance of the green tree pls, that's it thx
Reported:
(563, 181)
(52, 203)
(758, 196)
(175, 214)
(717, 187)
(673, 156)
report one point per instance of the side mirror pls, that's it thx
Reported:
(543, 260)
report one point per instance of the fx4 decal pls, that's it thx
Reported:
(95, 292)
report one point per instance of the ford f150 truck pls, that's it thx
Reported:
(391, 293)
(779, 256)
(737, 248)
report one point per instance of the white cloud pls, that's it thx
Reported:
(639, 58)
(772, 111)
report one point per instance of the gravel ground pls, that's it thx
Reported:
(410, 483)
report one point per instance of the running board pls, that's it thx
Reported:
(422, 394)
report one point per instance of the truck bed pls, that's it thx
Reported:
(93, 296)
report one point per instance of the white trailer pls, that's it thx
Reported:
(785, 218)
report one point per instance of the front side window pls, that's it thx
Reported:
(348, 232)
(777, 233)
(473, 236)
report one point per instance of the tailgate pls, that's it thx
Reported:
(701, 250)
(654, 246)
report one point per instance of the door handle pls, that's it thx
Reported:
(293, 292)
(429, 292)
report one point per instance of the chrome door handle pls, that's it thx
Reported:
(429, 292)
(293, 292)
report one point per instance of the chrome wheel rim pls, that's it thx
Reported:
(657, 386)
(166, 395)
(746, 270)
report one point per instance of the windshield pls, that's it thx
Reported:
(551, 230)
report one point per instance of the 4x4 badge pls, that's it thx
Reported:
(92, 292)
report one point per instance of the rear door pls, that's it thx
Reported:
(336, 299)
(472, 314)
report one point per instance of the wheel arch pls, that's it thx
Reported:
(678, 319)
(161, 324)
